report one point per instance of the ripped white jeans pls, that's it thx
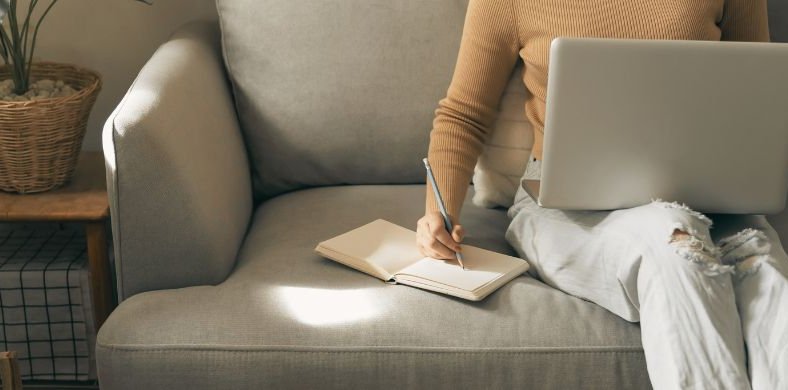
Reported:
(701, 301)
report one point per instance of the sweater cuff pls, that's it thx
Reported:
(453, 193)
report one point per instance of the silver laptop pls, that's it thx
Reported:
(700, 122)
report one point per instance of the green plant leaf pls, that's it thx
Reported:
(4, 5)
(16, 50)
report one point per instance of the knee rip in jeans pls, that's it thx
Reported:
(745, 250)
(691, 245)
(696, 250)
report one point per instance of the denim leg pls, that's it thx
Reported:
(624, 261)
(567, 251)
(690, 326)
(761, 288)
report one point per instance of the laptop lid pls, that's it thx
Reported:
(700, 122)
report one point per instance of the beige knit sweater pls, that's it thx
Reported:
(496, 32)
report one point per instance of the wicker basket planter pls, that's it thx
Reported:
(40, 140)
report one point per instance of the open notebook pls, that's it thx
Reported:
(388, 251)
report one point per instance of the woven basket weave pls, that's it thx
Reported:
(40, 140)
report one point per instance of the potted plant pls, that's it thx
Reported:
(44, 106)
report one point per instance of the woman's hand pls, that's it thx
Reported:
(432, 238)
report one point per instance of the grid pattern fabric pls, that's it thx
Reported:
(45, 307)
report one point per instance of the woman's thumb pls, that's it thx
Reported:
(458, 233)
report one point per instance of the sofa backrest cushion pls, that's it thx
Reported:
(338, 92)
(344, 92)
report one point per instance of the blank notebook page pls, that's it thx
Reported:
(388, 246)
(482, 268)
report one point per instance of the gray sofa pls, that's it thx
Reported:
(233, 155)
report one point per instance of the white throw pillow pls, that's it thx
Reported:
(502, 162)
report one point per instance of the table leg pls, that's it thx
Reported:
(9, 371)
(100, 281)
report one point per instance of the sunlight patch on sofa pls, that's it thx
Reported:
(321, 307)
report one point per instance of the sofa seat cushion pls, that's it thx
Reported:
(286, 317)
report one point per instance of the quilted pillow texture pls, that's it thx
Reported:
(502, 162)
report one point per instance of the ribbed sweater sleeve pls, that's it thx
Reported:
(488, 53)
(745, 20)
(489, 50)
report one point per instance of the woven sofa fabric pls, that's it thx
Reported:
(177, 174)
(338, 92)
(372, 369)
(286, 311)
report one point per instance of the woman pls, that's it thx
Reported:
(699, 296)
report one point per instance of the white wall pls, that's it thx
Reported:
(115, 38)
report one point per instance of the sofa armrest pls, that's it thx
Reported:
(177, 172)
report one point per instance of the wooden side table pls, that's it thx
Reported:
(83, 199)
